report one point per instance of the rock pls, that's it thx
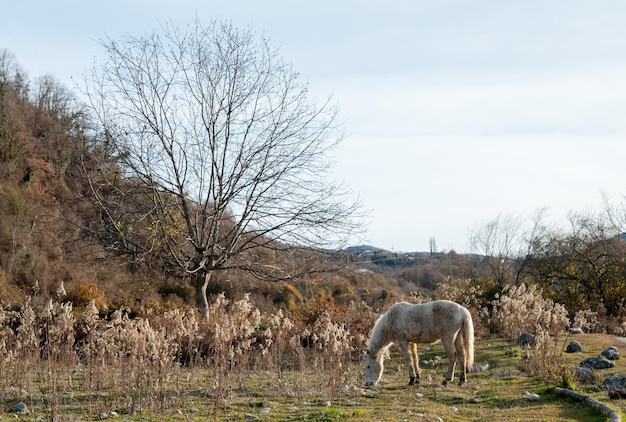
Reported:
(574, 347)
(576, 330)
(480, 368)
(614, 382)
(419, 396)
(611, 353)
(193, 410)
(526, 339)
(583, 375)
(19, 407)
(531, 396)
(250, 416)
(598, 362)
(265, 411)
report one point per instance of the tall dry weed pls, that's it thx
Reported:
(130, 359)
(523, 309)
(125, 362)
(325, 348)
(544, 360)
(229, 336)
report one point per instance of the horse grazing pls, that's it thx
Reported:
(407, 325)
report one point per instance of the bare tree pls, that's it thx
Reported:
(614, 215)
(505, 245)
(223, 160)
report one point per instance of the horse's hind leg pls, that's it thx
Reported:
(404, 346)
(416, 362)
(460, 351)
(448, 344)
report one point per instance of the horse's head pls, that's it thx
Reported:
(373, 368)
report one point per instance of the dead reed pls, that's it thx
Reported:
(91, 363)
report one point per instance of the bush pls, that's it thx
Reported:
(523, 309)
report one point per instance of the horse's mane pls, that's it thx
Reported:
(379, 337)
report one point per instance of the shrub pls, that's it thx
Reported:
(86, 293)
(523, 309)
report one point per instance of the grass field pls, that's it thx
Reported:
(493, 394)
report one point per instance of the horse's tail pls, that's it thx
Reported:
(468, 339)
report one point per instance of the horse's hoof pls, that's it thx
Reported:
(411, 381)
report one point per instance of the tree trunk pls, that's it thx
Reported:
(614, 415)
(201, 282)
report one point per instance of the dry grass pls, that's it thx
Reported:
(68, 364)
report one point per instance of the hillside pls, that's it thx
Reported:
(49, 232)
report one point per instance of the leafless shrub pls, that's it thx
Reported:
(523, 309)
(131, 358)
(183, 328)
(59, 330)
(360, 319)
(276, 341)
(230, 332)
(329, 344)
(587, 320)
(545, 361)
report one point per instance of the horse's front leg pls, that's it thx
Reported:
(404, 346)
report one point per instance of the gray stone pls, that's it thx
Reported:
(19, 407)
(611, 353)
(574, 347)
(598, 362)
(526, 339)
(614, 382)
(576, 330)
(583, 375)
(480, 368)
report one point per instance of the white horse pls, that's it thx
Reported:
(407, 325)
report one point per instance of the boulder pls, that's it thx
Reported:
(19, 407)
(611, 353)
(614, 382)
(576, 330)
(574, 347)
(583, 375)
(526, 339)
(598, 362)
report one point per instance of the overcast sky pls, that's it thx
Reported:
(456, 111)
